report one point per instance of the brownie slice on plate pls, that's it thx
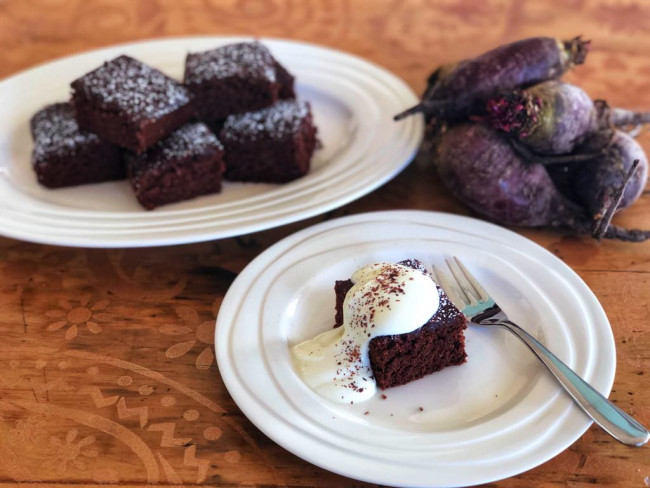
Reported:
(186, 164)
(235, 78)
(64, 155)
(130, 104)
(400, 359)
(272, 145)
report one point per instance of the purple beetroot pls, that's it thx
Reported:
(594, 183)
(555, 118)
(481, 168)
(548, 118)
(458, 90)
(552, 156)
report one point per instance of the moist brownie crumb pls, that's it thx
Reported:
(130, 103)
(272, 145)
(186, 164)
(64, 155)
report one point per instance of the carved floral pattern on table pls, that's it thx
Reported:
(62, 365)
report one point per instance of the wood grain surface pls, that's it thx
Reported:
(107, 370)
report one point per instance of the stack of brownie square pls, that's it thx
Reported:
(248, 98)
(129, 119)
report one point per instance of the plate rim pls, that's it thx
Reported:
(276, 251)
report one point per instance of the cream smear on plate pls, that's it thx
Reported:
(386, 299)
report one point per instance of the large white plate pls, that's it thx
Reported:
(495, 416)
(353, 103)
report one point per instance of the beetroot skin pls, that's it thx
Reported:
(481, 168)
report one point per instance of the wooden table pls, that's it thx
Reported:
(107, 366)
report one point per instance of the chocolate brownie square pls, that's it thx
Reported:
(272, 145)
(64, 155)
(130, 104)
(235, 78)
(399, 359)
(184, 165)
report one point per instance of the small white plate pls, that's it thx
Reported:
(353, 102)
(497, 415)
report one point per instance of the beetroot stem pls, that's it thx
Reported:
(602, 224)
(620, 117)
(577, 49)
(532, 157)
(429, 107)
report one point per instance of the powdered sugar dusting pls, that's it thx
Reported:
(190, 140)
(127, 85)
(246, 59)
(56, 132)
(447, 310)
(283, 119)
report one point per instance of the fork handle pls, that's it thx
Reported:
(615, 421)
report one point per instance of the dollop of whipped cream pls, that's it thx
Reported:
(386, 299)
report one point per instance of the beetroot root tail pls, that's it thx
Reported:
(549, 160)
(627, 235)
(602, 225)
(427, 107)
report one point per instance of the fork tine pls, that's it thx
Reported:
(451, 288)
(464, 284)
(480, 291)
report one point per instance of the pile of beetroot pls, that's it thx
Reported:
(522, 148)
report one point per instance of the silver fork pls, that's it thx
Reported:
(480, 309)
